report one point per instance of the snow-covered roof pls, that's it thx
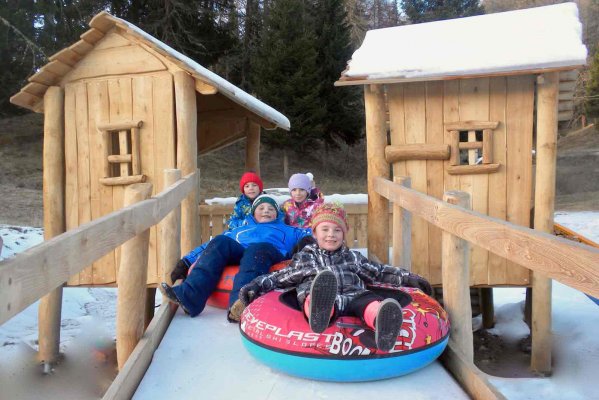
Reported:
(31, 96)
(522, 41)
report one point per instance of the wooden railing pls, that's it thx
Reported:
(573, 264)
(36, 272)
(32, 274)
(213, 221)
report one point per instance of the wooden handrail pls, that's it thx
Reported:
(573, 264)
(35, 272)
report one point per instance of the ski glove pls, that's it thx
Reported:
(249, 292)
(180, 271)
(418, 282)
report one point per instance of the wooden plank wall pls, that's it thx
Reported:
(149, 98)
(417, 112)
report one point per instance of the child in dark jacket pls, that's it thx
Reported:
(304, 200)
(331, 280)
(251, 187)
(264, 241)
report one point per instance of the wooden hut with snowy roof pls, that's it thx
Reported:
(120, 107)
(462, 102)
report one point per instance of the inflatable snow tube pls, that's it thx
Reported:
(275, 331)
(220, 297)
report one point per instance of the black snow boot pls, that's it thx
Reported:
(322, 300)
(170, 294)
(388, 324)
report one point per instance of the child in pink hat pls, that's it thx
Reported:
(331, 279)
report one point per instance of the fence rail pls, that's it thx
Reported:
(37, 271)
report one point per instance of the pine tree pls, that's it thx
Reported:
(435, 10)
(344, 116)
(286, 74)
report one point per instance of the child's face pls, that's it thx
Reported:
(251, 190)
(299, 195)
(265, 213)
(329, 236)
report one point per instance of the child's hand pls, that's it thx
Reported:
(248, 293)
(418, 282)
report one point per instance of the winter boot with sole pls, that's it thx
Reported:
(322, 300)
(388, 324)
(168, 292)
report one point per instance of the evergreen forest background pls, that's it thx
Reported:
(288, 53)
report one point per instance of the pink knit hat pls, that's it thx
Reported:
(330, 212)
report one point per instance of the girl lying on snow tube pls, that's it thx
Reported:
(372, 338)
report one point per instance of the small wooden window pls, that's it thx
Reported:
(122, 163)
(471, 146)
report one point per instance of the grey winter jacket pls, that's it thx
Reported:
(352, 269)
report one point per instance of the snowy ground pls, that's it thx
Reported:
(88, 330)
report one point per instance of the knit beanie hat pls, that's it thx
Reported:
(250, 177)
(265, 198)
(300, 181)
(330, 212)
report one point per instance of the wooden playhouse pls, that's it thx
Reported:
(465, 105)
(120, 107)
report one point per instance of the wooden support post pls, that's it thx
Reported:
(456, 282)
(170, 232)
(187, 154)
(252, 147)
(402, 230)
(487, 307)
(376, 142)
(149, 312)
(54, 218)
(547, 99)
(132, 277)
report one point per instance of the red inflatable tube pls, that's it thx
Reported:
(220, 296)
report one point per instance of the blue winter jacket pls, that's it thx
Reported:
(243, 207)
(194, 254)
(282, 237)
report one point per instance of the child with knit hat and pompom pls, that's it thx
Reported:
(250, 186)
(304, 200)
(331, 280)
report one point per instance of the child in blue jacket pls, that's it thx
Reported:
(251, 187)
(264, 241)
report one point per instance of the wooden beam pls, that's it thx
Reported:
(132, 277)
(35, 272)
(473, 380)
(376, 142)
(455, 267)
(402, 231)
(470, 125)
(187, 154)
(205, 88)
(119, 125)
(123, 180)
(49, 312)
(126, 382)
(470, 145)
(420, 151)
(119, 158)
(546, 160)
(472, 169)
(571, 263)
(252, 147)
(169, 232)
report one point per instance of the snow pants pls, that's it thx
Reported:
(255, 260)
